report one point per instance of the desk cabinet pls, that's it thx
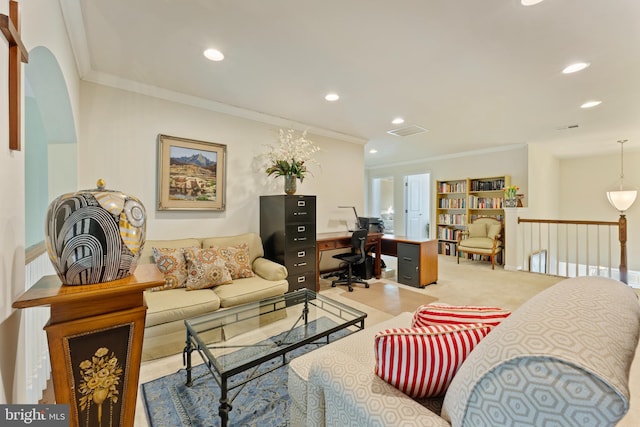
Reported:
(417, 259)
(409, 264)
(288, 232)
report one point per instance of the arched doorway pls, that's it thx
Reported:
(50, 140)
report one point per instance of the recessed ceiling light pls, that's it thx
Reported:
(373, 151)
(213, 55)
(397, 121)
(332, 97)
(574, 68)
(590, 104)
(529, 2)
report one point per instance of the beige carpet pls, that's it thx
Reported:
(388, 298)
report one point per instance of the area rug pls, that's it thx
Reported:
(389, 298)
(263, 401)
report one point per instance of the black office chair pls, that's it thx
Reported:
(357, 256)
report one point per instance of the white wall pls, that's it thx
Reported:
(543, 199)
(41, 25)
(584, 183)
(118, 142)
(511, 162)
(555, 188)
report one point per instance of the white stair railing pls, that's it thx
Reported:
(37, 365)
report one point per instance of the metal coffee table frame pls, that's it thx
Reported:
(304, 298)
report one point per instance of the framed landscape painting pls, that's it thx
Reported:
(191, 174)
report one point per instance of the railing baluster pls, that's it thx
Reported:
(598, 246)
(609, 251)
(587, 253)
(583, 241)
(557, 249)
(577, 253)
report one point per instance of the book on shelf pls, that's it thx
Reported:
(446, 233)
(452, 203)
(452, 187)
(447, 248)
(476, 202)
(452, 219)
(487, 185)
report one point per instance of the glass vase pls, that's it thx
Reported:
(290, 184)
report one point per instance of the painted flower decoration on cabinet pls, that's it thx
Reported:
(292, 156)
(100, 381)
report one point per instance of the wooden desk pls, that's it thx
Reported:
(417, 259)
(95, 326)
(341, 240)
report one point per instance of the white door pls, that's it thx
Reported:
(417, 195)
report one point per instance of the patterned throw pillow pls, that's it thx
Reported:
(421, 362)
(438, 313)
(205, 269)
(237, 259)
(171, 263)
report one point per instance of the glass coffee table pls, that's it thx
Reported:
(240, 339)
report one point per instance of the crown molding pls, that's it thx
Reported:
(449, 156)
(74, 22)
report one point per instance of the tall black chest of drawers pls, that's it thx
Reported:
(288, 232)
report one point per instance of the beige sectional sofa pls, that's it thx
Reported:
(562, 358)
(164, 326)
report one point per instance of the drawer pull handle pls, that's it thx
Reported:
(407, 258)
(301, 228)
(302, 203)
(301, 254)
(407, 277)
(301, 264)
(300, 239)
(301, 279)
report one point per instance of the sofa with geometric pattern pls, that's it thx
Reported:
(562, 358)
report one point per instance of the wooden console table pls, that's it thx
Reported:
(95, 343)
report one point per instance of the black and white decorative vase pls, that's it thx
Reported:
(510, 203)
(95, 236)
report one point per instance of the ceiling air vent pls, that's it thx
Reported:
(407, 130)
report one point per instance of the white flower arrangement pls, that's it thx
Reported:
(292, 155)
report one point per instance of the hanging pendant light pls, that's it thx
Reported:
(622, 197)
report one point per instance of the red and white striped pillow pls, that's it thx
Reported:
(438, 314)
(421, 362)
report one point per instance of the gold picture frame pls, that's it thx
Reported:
(191, 174)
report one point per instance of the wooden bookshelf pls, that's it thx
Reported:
(459, 201)
(451, 213)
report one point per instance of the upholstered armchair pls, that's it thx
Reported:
(482, 237)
